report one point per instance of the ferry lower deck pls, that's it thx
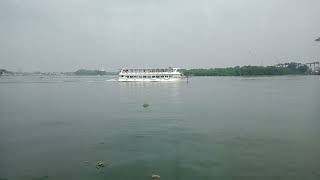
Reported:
(150, 77)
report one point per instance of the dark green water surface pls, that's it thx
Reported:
(224, 128)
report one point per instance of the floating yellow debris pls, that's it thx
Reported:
(155, 177)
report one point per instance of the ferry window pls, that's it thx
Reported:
(131, 76)
(135, 76)
(157, 76)
(127, 76)
(121, 75)
(162, 76)
(153, 76)
(144, 76)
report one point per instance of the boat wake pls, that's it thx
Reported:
(112, 80)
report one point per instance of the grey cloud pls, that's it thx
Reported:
(65, 35)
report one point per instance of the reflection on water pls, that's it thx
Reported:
(155, 92)
(145, 85)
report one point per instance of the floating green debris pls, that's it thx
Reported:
(100, 164)
(145, 105)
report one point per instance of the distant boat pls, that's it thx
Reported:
(168, 74)
(318, 39)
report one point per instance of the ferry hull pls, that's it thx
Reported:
(149, 80)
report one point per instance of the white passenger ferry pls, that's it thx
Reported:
(168, 74)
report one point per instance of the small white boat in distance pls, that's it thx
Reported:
(168, 74)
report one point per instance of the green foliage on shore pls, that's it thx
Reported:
(5, 72)
(292, 68)
(85, 72)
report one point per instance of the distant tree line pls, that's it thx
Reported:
(85, 72)
(4, 71)
(291, 68)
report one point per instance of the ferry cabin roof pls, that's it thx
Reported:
(148, 70)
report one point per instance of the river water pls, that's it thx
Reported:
(58, 127)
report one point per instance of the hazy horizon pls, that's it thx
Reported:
(62, 36)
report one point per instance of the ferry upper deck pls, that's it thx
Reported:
(150, 71)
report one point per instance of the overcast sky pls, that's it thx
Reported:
(65, 35)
